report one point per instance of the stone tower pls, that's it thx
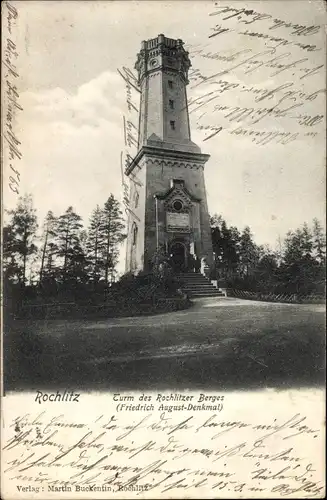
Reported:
(168, 203)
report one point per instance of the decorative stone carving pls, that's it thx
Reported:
(176, 195)
(173, 163)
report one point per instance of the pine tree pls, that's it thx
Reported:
(49, 247)
(298, 270)
(112, 229)
(306, 242)
(231, 242)
(19, 238)
(215, 223)
(225, 242)
(248, 252)
(266, 271)
(318, 242)
(292, 247)
(70, 251)
(94, 244)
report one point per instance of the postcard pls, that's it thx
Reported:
(163, 249)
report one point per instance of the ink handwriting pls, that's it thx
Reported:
(11, 98)
(151, 450)
(284, 57)
(131, 141)
(249, 16)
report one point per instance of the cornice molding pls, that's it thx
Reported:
(182, 157)
(174, 163)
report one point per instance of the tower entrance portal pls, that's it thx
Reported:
(178, 256)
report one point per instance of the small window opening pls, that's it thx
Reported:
(178, 205)
(171, 104)
(172, 124)
(170, 84)
(134, 234)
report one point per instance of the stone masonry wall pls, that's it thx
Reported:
(158, 177)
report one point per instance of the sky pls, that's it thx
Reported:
(73, 101)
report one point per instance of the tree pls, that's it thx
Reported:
(298, 270)
(231, 249)
(318, 242)
(94, 243)
(306, 242)
(19, 240)
(248, 252)
(112, 230)
(225, 242)
(266, 272)
(216, 220)
(49, 247)
(70, 251)
(216, 238)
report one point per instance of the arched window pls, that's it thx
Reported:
(134, 233)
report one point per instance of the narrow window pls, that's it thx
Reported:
(172, 125)
(171, 104)
(136, 200)
(134, 234)
(170, 84)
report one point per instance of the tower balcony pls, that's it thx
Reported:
(163, 41)
(162, 53)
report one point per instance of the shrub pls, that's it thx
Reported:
(146, 286)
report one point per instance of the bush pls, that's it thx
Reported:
(145, 286)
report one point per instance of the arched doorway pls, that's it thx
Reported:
(178, 256)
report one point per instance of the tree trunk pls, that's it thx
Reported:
(107, 254)
(43, 255)
(65, 254)
(95, 257)
(24, 256)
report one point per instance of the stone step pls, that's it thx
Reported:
(194, 280)
(205, 292)
(200, 288)
(191, 275)
(212, 294)
(194, 288)
(204, 283)
(197, 285)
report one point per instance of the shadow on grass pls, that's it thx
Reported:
(274, 359)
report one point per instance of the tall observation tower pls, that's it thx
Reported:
(168, 204)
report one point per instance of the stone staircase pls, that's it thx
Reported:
(197, 285)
